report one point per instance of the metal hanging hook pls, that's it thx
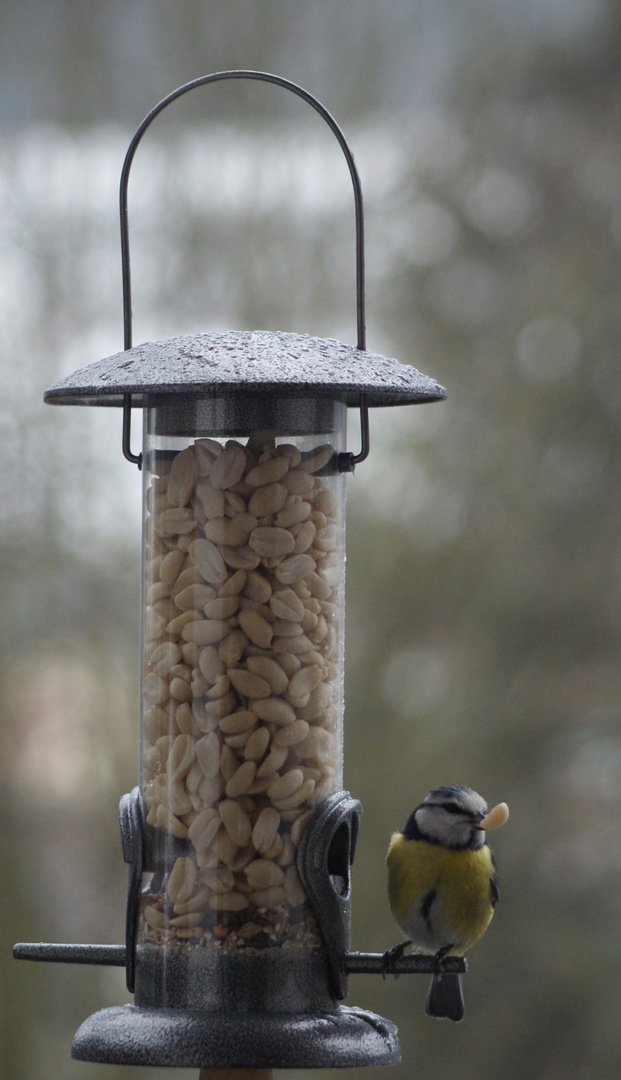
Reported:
(135, 459)
(348, 460)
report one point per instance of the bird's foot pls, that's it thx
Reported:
(440, 956)
(391, 956)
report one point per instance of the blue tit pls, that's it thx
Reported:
(443, 885)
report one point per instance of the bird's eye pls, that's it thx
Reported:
(452, 808)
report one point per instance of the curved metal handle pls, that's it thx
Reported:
(329, 119)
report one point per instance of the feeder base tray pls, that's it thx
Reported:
(175, 1038)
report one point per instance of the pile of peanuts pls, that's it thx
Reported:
(242, 682)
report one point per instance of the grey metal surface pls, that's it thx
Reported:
(268, 360)
(241, 412)
(365, 963)
(264, 982)
(347, 1038)
(51, 952)
(324, 857)
(131, 823)
(353, 963)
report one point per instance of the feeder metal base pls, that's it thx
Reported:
(174, 1038)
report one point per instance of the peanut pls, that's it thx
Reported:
(249, 684)
(155, 689)
(286, 785)
(180, 757)
(236, 822)
(222, 880)
(293, 514)
(274, 710)
(164, 657)
(237, 722)
(171, 565)
(256, 627)
(221, 607)
(155, 917)
(269, 472)
(232, 901)
(257, 587)
(286, 854)
(273, 762)
(267, 898)
(305, 680)
(232, 648)
(241, 558)
(228, 468)
(241, 779)
(302, 795)
(269, 670)
(197, 902)
(292, 734)
(206, 631)
(185, 922)
(210, 663)
(496, 817)
(209, 561)
(269, 541)
(206, 451)
(298, 482)
(175, 520)
(228, 762)
(242, 660)
(295, 568)
(210, 498)
(204, 828)
(265, 829)
(299, 825)
(268, 499)
(263, 874)
(294, 892)
(257, 744)
(181, 880)
(234, 585)
(285, 604)
(220, 687)
(182, 477)
(297, 645)
(231, 531)
(208, 754)
(180, 689)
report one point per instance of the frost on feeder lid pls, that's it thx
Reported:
(251, 360)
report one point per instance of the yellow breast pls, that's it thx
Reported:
(461, 880)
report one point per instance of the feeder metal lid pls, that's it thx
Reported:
(273, 361)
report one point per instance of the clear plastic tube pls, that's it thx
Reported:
(242, 683)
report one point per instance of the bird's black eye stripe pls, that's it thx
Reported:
(450, 807)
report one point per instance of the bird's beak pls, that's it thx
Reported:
(496, 817)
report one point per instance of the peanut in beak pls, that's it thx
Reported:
(496, 817)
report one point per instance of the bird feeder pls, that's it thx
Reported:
(238, 837)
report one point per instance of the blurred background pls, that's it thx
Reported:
(484, 533)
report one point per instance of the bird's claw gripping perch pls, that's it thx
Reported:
(390, 958)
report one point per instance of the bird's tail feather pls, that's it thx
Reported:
(445, 998)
